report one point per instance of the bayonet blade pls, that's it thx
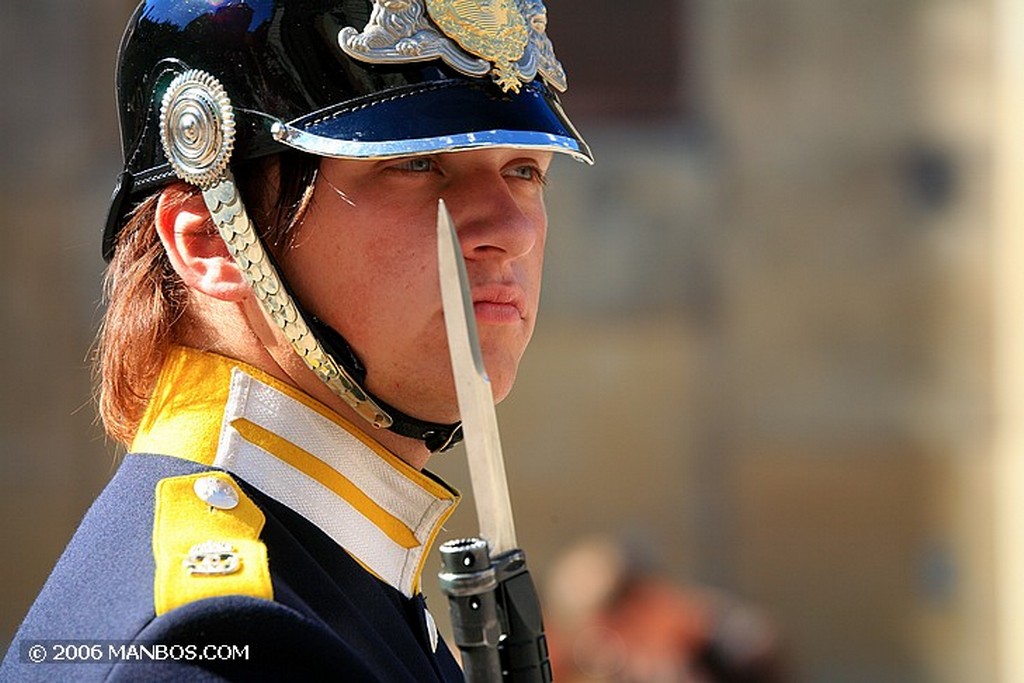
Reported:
(476, 400)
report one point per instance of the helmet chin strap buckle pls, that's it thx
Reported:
(197, 131)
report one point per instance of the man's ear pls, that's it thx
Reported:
(195, 249)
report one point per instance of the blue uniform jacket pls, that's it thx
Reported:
(324, 546)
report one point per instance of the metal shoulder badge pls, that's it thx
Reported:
(506, 38)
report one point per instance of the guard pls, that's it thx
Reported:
(274, 355)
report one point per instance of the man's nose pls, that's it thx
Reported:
(491, 221)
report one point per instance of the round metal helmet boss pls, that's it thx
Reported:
(205, 83)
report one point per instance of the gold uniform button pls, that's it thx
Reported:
(216, 492)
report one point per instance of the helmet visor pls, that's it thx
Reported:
(433, 117)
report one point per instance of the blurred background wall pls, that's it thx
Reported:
(768, 352)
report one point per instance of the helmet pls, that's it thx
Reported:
(342, 78)
(205, 84)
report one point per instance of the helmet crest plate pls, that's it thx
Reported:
(506, 38)
(493, 30)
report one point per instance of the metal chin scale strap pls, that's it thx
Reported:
(197, 130)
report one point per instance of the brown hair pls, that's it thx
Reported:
(146, 300)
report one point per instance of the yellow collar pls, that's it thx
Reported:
(220, 412)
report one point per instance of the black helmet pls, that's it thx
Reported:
(342, 78)
(203, 84)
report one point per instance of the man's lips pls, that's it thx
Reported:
(498, 304)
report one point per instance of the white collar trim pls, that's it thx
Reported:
(383, 514)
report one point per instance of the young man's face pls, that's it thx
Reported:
(365, 262)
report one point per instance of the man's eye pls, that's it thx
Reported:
(416, 165)
(527, 172)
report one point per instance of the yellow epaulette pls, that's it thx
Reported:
(206, 541)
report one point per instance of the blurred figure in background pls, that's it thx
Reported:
(612, 618)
